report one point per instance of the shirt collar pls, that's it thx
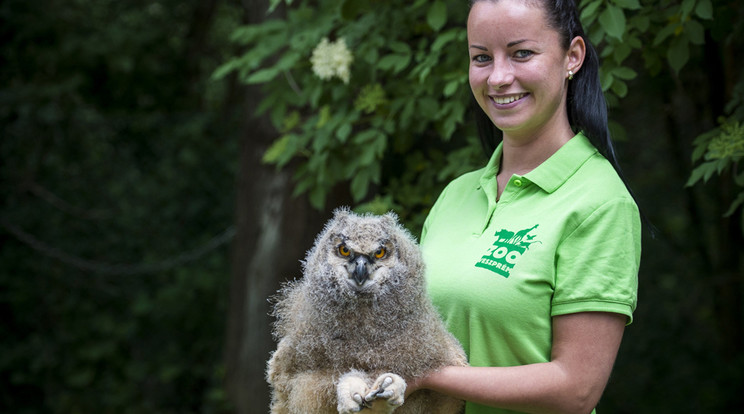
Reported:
(554, 171)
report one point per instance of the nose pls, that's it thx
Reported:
(502, 74)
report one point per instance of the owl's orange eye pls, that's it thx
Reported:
(380, 253)
(343, 250)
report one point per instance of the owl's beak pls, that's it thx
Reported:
(360, 272)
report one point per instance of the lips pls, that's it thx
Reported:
(507, 99)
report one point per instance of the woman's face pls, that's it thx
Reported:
(518, 69)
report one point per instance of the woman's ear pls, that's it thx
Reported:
(575, 54)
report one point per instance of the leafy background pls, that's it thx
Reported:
(136, 137)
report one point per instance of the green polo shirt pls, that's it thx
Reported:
(563, 238)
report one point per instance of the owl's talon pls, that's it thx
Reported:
(390, 387)
(384, 394)
(386, 383)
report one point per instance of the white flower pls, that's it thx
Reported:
(332, 59)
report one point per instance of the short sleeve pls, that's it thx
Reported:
(597, 263)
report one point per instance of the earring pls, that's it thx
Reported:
(570, 75)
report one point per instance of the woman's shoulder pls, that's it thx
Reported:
(599, 175)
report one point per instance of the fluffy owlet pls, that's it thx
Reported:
(357, 324)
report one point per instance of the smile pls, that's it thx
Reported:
(503, 100)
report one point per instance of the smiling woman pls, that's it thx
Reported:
(518, 71)
(533, 260)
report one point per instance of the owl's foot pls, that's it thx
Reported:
(350, 392)
(387, 393)
(354, 395)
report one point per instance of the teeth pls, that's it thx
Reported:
(507, 99)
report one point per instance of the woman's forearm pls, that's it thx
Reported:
(584, 349)
(536, 388)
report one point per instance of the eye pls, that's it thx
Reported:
(480, 59)
(523, 54)
(343, 250)
(380, 253)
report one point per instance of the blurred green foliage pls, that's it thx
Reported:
(389, 130)
(118, 163)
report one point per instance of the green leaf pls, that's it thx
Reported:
(686, 8)
(678, 54)
(698, 152)
(343, 132)
(695, 32)
(704, 9)
(360, 184)
(597, 34)
(738, 202)
(606, 79)
(450, 88)
(620, 88)
(641, 23)
(437, 15)
(633, 43)
(628, 4)
(445, 38)
(590, 9)
(624, 73)
(262, 76)
(277, 151)
(702, 171)
(664, 33)
(721, 165)
(621, 52)
(395, 62)
(224, 69)
(400, 48)
(613, 21)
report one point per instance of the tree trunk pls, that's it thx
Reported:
(274, 230)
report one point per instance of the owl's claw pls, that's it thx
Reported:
(355, 395)
(388, 387)
(381, 391)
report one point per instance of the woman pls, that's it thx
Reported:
(533, 260)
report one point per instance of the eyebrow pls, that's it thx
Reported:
(508, 45)
(516, 42)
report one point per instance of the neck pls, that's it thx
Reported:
(523, 154)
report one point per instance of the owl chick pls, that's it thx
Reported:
(357, 324)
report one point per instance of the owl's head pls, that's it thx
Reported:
(364, 254)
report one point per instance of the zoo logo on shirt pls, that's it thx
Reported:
(506, 250)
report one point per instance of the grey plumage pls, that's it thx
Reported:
(357, 323)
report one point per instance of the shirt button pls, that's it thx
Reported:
(518, 182)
